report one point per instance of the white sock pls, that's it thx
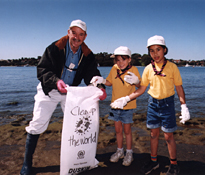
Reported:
(129, 151)
(121, 149)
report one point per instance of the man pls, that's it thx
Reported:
(65, 62)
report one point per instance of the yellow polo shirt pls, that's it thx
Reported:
(119, 89)
(161, 87)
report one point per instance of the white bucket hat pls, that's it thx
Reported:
(156, 40)
(122, 50)
(79, 23)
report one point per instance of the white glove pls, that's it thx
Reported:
(185, 116)
(131, 78)
(98, 80)
(120, 102)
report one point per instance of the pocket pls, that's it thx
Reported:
(150, 100)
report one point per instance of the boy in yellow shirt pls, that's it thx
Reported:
(162, 76)
(122, 117)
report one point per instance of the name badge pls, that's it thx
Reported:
(71, 66)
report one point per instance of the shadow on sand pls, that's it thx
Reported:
(109, 168)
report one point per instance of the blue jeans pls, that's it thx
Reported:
(161, 113)
(125, 116)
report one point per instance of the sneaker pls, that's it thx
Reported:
(128, 159)
(173, 170)
(149, 167)
(116, 156)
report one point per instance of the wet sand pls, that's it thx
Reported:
(190, 139)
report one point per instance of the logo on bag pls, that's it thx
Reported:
(81, 154)
(83, 125)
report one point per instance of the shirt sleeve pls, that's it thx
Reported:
(145, 80)
(111, 74)
(177, 76)
(136, 72)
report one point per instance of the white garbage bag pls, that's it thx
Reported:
(80, 130)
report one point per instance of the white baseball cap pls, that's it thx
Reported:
(79, 23)
(122, 50)
(156, 40)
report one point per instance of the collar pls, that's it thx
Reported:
(61, 43)
(70, 50)
(123, 72)
(159, 72)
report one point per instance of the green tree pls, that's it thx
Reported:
(146, 59)
(136, 59)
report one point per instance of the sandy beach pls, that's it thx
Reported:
(190, 139)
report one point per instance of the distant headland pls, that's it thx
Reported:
(104, 59)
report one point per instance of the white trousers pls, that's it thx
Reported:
(43, 109)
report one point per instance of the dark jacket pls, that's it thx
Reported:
(51, 65)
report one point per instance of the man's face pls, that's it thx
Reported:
(76, 37)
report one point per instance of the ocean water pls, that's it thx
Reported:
(18, 87)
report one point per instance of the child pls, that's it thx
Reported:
(120, 88)
(162, 76)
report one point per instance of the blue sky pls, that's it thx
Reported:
(27, 27)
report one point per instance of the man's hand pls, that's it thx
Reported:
(61, 86)
(97, 80)
(185, 116)
(131, 78)
(120, 102)
(104, 95)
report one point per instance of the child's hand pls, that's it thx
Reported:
(120, 102)
(131, 78)
(185, 116)
(98, 80)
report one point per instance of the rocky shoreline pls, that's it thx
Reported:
(190, 139)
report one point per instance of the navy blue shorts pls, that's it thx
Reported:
(161, 113)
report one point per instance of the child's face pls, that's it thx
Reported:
(157, 53)
(122, 63)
